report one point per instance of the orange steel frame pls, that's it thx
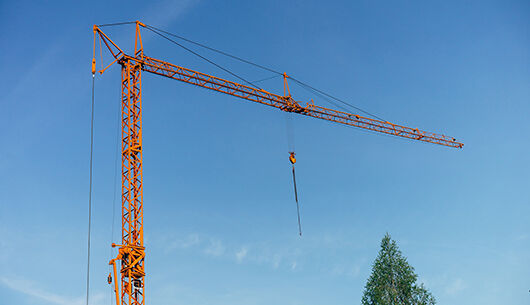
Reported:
(131, 252)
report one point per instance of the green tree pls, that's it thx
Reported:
(393, 281)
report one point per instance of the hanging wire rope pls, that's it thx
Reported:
(289, 129)
(290, 146)
(297, 204)
(90, 191)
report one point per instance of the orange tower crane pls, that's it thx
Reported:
(131, 251)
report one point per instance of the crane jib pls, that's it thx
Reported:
(261, 96)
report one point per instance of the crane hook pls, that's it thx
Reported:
(292, 158)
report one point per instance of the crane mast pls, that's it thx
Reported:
(131, 251)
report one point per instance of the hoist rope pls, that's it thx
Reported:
(297, 205)
(289, 131)
(90, 192)
(290, 145)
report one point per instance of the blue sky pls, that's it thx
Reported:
(220, 221)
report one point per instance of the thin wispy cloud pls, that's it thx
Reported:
(185, 242)
(241, 254)
(215, 248)
(349, 269)
(32, 290)
(455, 287)
(276, 260)
(285, 257)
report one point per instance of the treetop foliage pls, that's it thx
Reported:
(393, 281)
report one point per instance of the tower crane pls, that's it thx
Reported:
(131, 252)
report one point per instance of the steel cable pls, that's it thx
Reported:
(264, 79)
(204, 58)
(117, 23)
(90, 191)
(297, 204)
